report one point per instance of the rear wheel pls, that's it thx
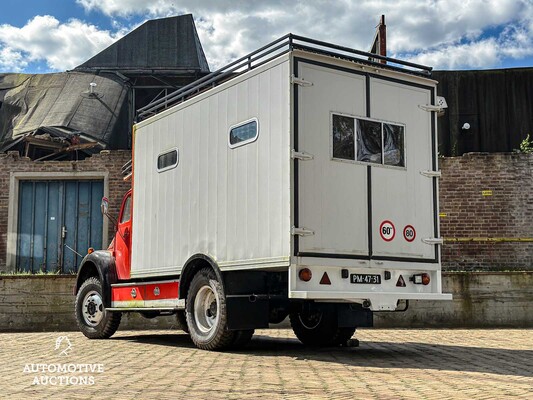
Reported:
(206, 312)
(319, 328)
(93, 319)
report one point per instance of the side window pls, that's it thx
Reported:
(167, 160)
(126, 212)
(243, 133)
(366, 140)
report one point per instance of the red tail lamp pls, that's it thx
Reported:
(305, 274)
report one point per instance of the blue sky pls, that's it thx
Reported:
(38, 36)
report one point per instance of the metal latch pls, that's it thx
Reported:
(300, 81)
(433, 241)
(439, 107)
(301, 155)
(431, 174)
(301, 231)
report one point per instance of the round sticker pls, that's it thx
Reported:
(409, 233)
(387, 231)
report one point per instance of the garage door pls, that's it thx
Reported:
(56, 220)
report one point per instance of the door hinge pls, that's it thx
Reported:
(439, 107)
(300, 81)
(431, 174)
(433, 241)
(301, 231)
(301, 155)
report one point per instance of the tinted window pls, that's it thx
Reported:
(243, 134)
(167, 160)
(343, 137)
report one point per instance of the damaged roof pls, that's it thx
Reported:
(61, 104)
(161, 44)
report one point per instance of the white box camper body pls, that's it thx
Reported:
(285, 200)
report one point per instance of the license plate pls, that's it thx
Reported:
(366, 278)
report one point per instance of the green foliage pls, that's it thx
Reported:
(527, 145)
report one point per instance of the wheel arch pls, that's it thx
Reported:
(100, 264)
(191, 267)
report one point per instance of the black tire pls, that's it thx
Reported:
(319, 329)
(242, 338)
(206, 312)
(182, 321)
(96, 322)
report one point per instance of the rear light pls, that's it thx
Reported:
(305, 274)
(90, 250)
(420, 279)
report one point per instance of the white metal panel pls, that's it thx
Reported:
(332, 193)
(231, 204)
(404, 196)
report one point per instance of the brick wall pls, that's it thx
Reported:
(106, 161)
(507, 213)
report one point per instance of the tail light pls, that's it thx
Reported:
(421, 279)
(305, 274)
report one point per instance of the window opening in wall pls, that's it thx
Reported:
(244, 133)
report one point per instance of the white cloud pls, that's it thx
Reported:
(61, 45)
(444, 33)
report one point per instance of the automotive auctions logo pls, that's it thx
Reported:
(63, 374)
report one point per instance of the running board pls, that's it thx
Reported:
(147, 309)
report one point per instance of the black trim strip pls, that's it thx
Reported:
(369, 217)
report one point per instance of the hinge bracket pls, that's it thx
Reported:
(433, 241)
(431, 174)
(301, 231)
(301, 155)
(300, 81)
(438, 108)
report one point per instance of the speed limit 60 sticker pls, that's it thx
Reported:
(387, 231)
(409, 233)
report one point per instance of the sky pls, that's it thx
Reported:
(41, 36)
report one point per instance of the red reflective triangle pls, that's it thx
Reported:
(401, 282)
(325, 279)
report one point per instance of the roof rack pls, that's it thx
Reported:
(267, 53)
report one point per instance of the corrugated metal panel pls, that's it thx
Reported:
(56, 215)
(232, 204)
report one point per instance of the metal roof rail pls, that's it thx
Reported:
(267, 53)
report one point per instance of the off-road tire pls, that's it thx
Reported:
(110, 322)
(323, 333)
(218, 337)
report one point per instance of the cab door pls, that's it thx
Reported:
(123, 239)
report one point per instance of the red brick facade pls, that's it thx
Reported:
(507, 213)
(487, 195)
(110, 162)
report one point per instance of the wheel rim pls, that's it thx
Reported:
(206, 310)
(92, 308)
(310, 321)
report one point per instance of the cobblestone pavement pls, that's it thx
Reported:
(388, 364)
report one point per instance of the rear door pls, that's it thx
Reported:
(332, 190)
(364, 148)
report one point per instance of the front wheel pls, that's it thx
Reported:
(319, 328)
(206, 312)
(93, 319)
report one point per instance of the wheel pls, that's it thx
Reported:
(182, 321)
(242, 338)
(206, 312)
(319, 328)
(93, 319)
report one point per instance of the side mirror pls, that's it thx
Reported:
(104, 205)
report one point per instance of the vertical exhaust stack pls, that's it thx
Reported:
(379, 45)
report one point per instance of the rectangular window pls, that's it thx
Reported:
(244, 133)
(167, 160)
(366, 140)
(343, 137)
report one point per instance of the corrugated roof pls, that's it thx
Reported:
(161, 44)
